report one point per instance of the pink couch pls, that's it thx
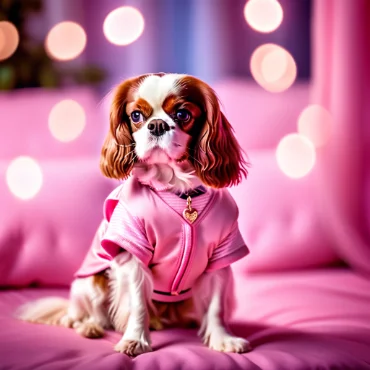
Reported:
(297, 304)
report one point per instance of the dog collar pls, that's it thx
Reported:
(192, 193)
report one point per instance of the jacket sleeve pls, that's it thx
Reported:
(231, 249)
(126, 232)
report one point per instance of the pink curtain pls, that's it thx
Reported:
(341, 78)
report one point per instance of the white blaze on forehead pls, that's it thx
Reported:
(155, 89)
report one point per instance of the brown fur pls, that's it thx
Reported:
(117, 155)
(101, 281)
(178, 314)
(215, 153)
(142, 105)
(173, 103)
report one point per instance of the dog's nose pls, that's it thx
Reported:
(158, 127)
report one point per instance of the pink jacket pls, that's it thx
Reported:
(139, 221)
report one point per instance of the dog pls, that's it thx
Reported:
(161, 257)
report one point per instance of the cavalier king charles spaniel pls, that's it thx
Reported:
(161, 257)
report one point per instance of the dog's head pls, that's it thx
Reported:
(159, 118)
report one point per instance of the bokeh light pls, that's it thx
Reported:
(67, 120)
(2, 40)
(123, 25)
(65, 41)
(24, 177)
(273, 67)
(9, 39)
(315, 122)
(295, 155)
(263, 15)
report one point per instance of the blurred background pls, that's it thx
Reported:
(60, 59)
(105, 41)
(292, 76)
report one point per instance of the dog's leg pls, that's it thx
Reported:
(86, 312)
(214, 300)
(131, 295)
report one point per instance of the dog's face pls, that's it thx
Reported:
(163, 118)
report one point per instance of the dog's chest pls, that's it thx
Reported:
(181, 248)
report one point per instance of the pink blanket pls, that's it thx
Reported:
(305, 320)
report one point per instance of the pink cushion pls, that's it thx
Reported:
(279, 219)
(26, 114)
(260, 118)
(331, 332)
(43, 240)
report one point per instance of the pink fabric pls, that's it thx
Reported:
(178, 204)
(341, 79)
(24, 117)
(139, 221)
(260, 118)
(280, 219)
(307, 320)
(43, 240)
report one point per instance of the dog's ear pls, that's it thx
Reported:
(218, 159)
(118, 152)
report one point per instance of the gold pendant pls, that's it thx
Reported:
(190, 214)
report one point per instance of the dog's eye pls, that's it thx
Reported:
(183, 115)
(136, 116)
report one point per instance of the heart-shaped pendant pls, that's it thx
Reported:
(190, 215)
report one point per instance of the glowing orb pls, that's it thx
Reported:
(273, 67)
(65, 41)
(24, 177)
(2, 40)
(67, 120)
(263, 15)
(123, 25)
(9, 39)
(295, 155)
(315, 122)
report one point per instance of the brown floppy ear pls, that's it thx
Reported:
(218, 158)
(118, 152)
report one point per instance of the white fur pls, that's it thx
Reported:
(176, 177)
(214, 304)
(87, 302)
(154, 90)
(86, 311)
(131, 297)
(49, 310)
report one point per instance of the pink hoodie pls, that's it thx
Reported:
(137, 219)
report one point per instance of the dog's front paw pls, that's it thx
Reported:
(132, 347)
(89, 329)
(225, 342)
(67, 321)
